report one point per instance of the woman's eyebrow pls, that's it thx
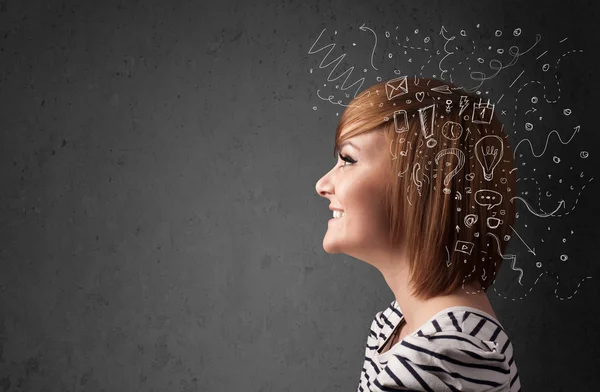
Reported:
(349, 143)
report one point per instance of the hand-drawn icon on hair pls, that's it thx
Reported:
(461, 162)
(488, 198)
(417, 178)
(427, 117)
(452, 130)
(405, 152)
(442, 89)
(493, 222)
(401, 121)
(470, 220)
(489, 150)
(482, 112)
(396, 87)
(464, 103)
(464, 247)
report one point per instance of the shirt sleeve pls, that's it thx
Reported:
(444, 361)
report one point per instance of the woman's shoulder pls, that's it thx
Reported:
(448, 360)
(460, 346)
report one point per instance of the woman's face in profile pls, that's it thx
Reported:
(356, 185)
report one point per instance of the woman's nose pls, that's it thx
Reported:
(323, 186)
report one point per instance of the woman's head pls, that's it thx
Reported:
(432, 180)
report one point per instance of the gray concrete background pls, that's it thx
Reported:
(160, 227)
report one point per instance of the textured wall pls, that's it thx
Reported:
(160, 227)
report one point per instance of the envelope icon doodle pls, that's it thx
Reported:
(396, 87)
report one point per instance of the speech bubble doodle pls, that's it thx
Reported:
(488, 197)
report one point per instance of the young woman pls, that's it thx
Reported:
(422, 191)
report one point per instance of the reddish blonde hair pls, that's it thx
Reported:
(426, 216)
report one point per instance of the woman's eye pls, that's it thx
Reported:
(346, 159)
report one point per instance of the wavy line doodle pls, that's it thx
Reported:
(577, 128)
(337, 62)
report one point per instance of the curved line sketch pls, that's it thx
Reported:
(561, 203)
(417, 182)
(513, 51)
(364, 28)
(339, 102)
(513, 258)
(577, 128)
(391, 152)
(442, 31)
(404, 153)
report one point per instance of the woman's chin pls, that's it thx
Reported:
(330, 247)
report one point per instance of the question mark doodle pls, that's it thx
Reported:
(461, 161)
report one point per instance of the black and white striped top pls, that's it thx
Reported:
(459, 349)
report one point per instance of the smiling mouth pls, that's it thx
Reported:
(338, 215)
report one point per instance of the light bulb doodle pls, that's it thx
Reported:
(489, 154)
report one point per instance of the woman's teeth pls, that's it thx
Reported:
(338, 214)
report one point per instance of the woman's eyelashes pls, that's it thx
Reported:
(346, 159)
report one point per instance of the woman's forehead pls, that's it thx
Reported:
(364, 139)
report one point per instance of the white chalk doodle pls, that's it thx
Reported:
(489, 151)
(427, 118)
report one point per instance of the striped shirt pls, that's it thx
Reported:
(459, 349)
